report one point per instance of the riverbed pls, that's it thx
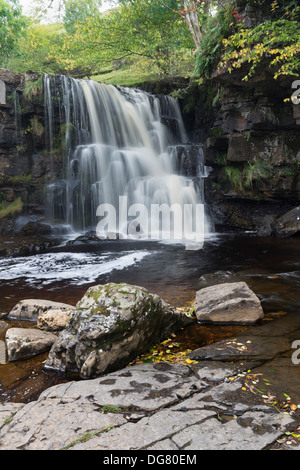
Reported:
(271, 267)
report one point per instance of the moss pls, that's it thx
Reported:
(111, 409)
(33, 91)
(245, 177)
(36, 126)
(18, 179)
(11, 208)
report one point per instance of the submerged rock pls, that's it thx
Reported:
(228, 303)
(3, 326)
(3, 314)
(111, 325)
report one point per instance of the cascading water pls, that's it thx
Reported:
(125, 152)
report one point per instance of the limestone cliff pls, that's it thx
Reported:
(25, 163)
(253, 148)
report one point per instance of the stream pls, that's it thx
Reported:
(271, 268)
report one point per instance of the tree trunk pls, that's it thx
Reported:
(191, 18)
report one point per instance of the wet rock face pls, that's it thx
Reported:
(252, 146)
(25, 162)
(110, 326)
(288, 224)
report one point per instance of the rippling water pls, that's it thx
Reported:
(75, 268)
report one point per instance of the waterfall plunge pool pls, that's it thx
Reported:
(271, 267)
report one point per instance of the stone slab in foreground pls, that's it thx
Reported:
(130, 410)
(161, 406)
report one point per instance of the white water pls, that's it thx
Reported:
(76, 268)
(117, 145)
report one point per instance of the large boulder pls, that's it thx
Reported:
(30, 309)
(111, 325)
(22, 343)
(231, 302)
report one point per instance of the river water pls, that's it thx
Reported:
(271, 267)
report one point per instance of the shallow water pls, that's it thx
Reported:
(270, 267)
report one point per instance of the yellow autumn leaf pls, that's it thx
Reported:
(188, 361)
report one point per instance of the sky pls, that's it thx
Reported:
(28, 4)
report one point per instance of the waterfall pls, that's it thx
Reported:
(126, 160)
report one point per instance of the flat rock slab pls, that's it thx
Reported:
(141, 388)
(7, 411)
(260, 343)
(149, 406)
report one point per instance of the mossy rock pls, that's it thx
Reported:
(111, 325)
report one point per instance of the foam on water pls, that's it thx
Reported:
(76, 268)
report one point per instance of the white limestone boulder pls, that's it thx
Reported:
(22, 343)
(30, 309)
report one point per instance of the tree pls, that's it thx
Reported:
(137, 32)
(79, 10)
(189, 12)
(276, 40)
(193, 12)
(35, 45)
(12, 24)
(44, 46)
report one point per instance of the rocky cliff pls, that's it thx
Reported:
(253, 148)
(250, 132)
(25, 163)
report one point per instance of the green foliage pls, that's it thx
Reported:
(141, 38)
(37, 126)
(244, 177)
(33, 90)
(11, 208)
(276, 39)
(78, 10)
(35, 46)
(255, 171)
(218, 28)
(234, 174)
(12, 24)
(132, 35)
